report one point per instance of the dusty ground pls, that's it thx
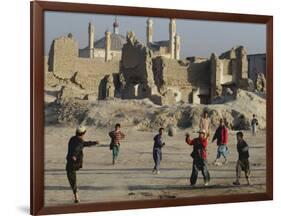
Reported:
(131, 177)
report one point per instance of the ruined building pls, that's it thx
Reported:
(123, 67)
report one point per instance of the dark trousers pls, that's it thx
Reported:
(157, 157)
(243, 165)
(199, 165)
(71, 176)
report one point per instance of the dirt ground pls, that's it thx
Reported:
(132, 179)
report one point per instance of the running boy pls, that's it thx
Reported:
(221, 135)
(157, 151)
(116, 136)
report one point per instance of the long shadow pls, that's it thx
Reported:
(130, 170)
(179, 187)
(187, 177)
(102, 188)
(115, 169)
(149, 187)
(136, 173)
(101, 173)
(166, 153)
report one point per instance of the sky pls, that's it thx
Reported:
(198, 37)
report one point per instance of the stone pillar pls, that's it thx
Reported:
(216, 74)
(107, 46)
(177, 47)
(91, 40)
(243, 63)
(172, 34)
(242, 68)
(63, 57)
(149, 31)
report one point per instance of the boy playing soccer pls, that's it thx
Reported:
(157, 151)
(243, 159)
(116, 137)
(221, 135)
(199, 155)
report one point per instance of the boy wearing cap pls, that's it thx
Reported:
(199, 155)
(116, 137)
(221, 135)
(243, 163)
(75, 157)
(157, 151)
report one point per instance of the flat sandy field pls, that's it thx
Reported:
(132, 179)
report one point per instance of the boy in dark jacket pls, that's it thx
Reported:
(199, 155)
(243, 163)
(75, 157)
(221, 135)
(157, 151)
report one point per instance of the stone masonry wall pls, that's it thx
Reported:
(91, 74)
(62, 56)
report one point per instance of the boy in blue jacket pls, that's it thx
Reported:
(157, 151)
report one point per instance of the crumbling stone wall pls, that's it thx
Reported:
(140, 74)
(171, 80)
(231, 68)
(199, 76)
(93, 74)
(260, 83)
(62, 56)
(136, 70)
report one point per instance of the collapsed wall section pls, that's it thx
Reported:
(136, 70)
(62, 56)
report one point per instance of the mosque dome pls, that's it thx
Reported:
(117, 42)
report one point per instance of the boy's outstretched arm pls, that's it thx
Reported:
(90, 143)
(111, 134)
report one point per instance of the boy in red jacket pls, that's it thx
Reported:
(221, 135)
(199, 155)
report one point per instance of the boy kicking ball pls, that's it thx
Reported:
(243, 163)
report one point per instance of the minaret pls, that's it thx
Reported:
(91, 40)
(107, 46)
(116, 26)
(177, 47)
(149, 31)
(172, 34)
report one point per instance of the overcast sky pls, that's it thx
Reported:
(198, 38)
